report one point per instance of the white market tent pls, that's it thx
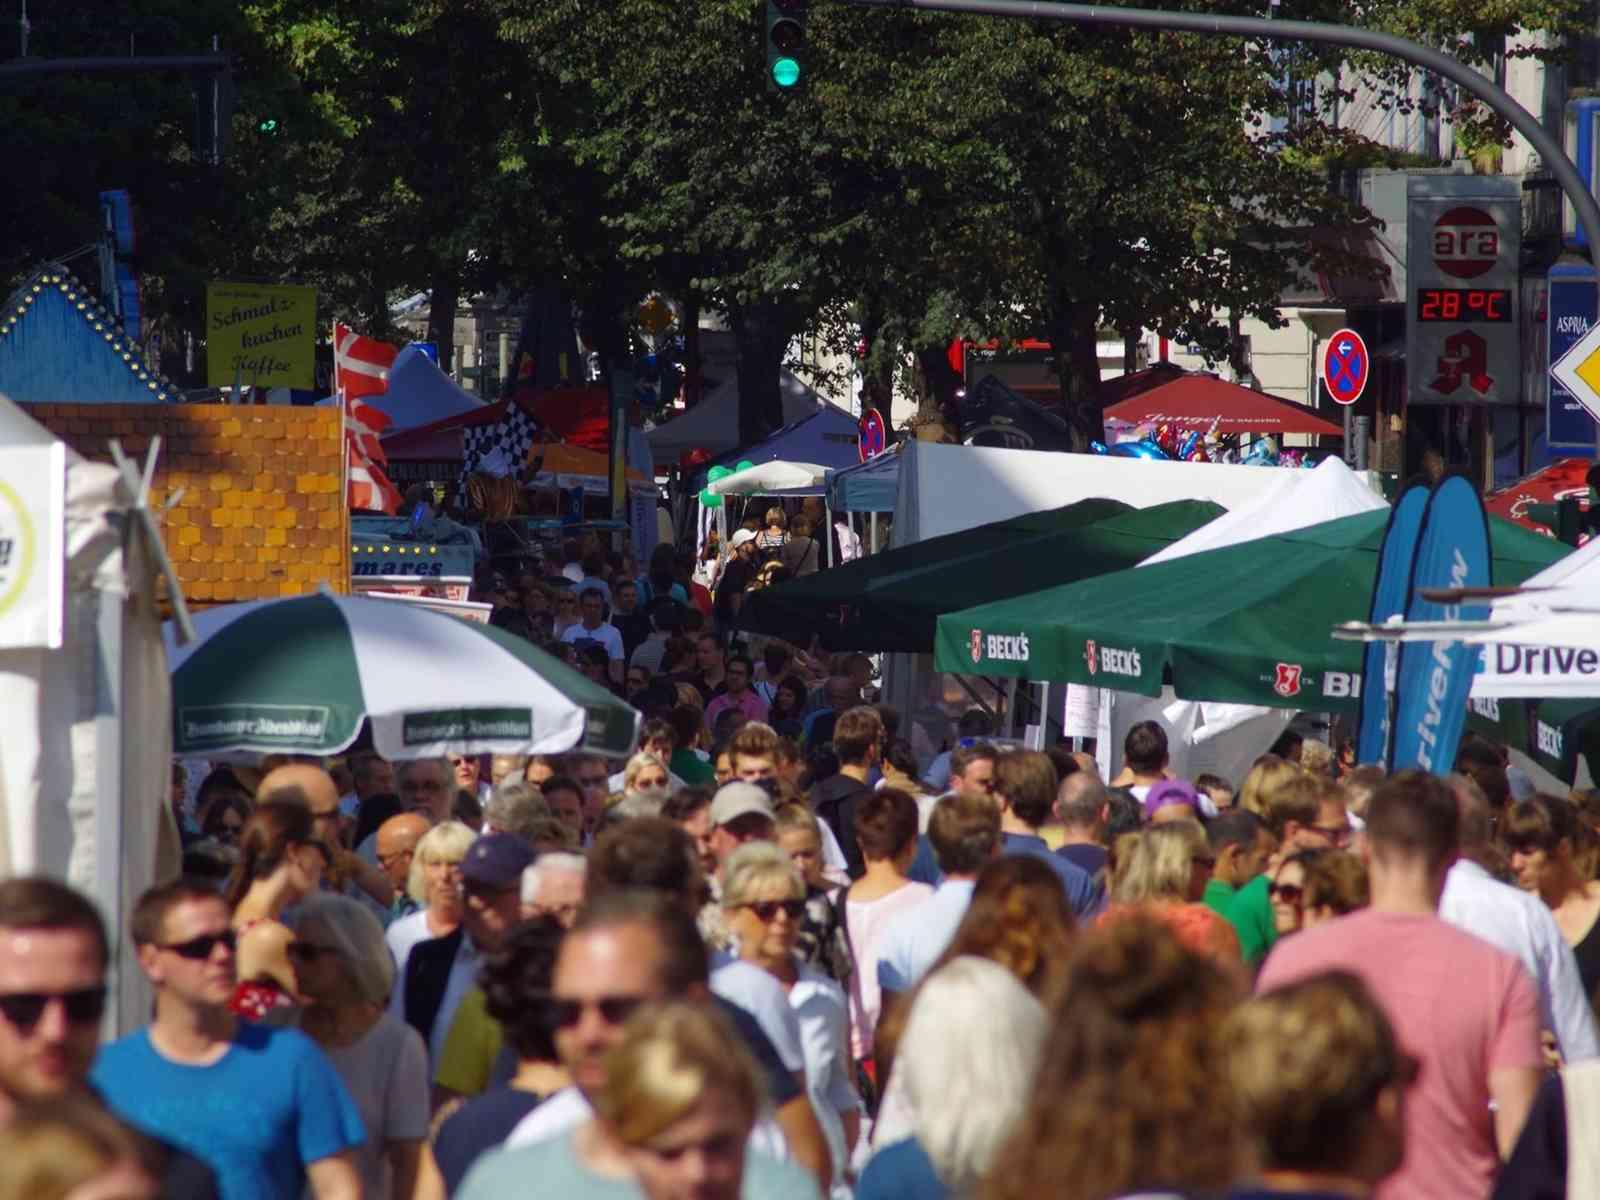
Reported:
(1546, 643)
(770, 478)
(85, 709)
(945, 489)
(1226, 738)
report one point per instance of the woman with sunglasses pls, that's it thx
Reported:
(1542, 834)
(280, 864)
(764, 902)
(345, 974)
(1314, 886)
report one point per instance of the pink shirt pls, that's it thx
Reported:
(1459, 1005)
(748, 702)
(865, 922)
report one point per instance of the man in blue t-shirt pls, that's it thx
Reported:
(261, 1106)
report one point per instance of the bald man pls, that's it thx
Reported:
(351, 874)
(397, 842)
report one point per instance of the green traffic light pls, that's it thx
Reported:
(268, 125)
(785, 72)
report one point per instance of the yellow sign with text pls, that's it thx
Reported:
(261, 335)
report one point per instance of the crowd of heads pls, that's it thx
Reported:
(1102, 1046)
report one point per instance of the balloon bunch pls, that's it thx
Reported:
(1262, 453)
(710, 499)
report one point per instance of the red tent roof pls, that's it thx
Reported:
(1561, 479)
(1195, 401)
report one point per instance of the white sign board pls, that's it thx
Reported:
(1579, 370)
(33, 555)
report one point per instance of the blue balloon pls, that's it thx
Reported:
(1144, 448)
(1099, 448)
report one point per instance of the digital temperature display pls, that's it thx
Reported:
(1464, 304)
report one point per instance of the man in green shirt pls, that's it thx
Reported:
(1238, 886)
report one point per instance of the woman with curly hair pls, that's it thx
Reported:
(1314, 886)
(1128, 1096)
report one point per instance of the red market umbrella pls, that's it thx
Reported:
(1195, 401)
(1562, 479)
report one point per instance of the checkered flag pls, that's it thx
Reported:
(501, 449)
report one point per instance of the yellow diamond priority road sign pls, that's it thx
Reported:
(1579, 369)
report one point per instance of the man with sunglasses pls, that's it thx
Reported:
(260, 1105)
(627, 949)
(53, 970)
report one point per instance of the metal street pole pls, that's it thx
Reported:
(1429, 59)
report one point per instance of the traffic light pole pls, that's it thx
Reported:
(1520, 119)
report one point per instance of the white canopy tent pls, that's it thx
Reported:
(769, 478)
(85, 723)
(1226, 738)
(945, 489)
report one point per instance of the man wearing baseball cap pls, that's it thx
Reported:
(736, 577)
(440, 972)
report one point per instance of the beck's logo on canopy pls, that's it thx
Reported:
(1287, 682)
(1000, 647)
(1111, 660)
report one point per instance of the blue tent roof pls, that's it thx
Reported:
(420, 393)
(58, 345)
(828, 437)
(871, 486)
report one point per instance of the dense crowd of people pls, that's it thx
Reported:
(827, 969)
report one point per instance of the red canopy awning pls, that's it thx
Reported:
(1195, 401)
(1563, 479)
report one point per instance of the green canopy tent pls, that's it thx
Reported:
(891, 601)
(1246, 624)
(1555, 734)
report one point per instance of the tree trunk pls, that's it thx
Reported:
(694, 379)
(762, 335)
(1071, 327)
(444, 297)
(877, 366)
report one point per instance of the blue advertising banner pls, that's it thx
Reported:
(1389, 595)
(1433, 679)
(1572, 309)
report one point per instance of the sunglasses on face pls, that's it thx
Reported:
(24, 1009)
(1289, 893)
(200, 948)
(613, 1010)
(768, 910)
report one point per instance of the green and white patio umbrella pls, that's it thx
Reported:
(299, 675)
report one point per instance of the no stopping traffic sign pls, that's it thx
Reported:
(1345, 366)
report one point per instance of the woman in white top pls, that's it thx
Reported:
(763, 899)
(886, 831)
(345, 974)
(434, 883)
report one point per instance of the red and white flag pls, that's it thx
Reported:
(369, 484)
(360, 369)
(360, 364)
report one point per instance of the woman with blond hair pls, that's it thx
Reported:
(1267, 775)
(1164, 876)
(434, 883)
(963, 1080)
(1130, 1095)
(672, 1121)
(70, 1148)
(646, 784)
(776, 532)
(763, 902)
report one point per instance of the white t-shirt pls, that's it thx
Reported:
(402, 936)
(567, 1109)
(763, 997)
(606, 634)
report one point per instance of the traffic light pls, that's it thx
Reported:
(267, 126)
(786, 44)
